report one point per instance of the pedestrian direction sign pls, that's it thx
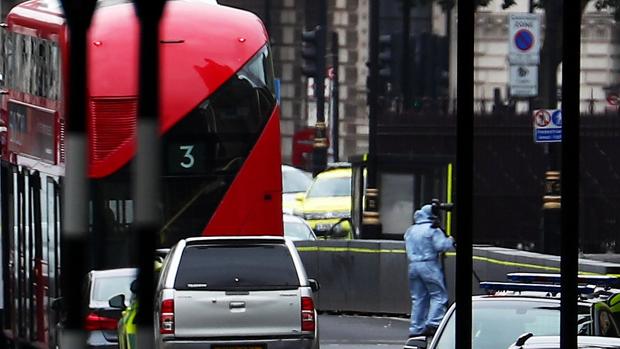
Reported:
(547, 125)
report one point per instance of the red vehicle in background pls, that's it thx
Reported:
(220, 140)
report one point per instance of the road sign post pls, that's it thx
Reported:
(524, 39)
(547, 125)
(524, 54)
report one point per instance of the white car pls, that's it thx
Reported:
(296, 229)
(294, 181)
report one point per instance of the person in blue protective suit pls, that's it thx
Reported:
(424, 241)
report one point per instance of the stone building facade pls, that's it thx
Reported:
(600, 59)
(350, 19)
(286, 19)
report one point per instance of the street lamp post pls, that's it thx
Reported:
(313, 52)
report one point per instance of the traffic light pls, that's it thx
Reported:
(386, 55)
(431, 72)
(390, 56)
(442, 70)
(313, 52)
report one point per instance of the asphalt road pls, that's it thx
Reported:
(362, 332)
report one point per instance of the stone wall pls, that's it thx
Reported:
(600, 64)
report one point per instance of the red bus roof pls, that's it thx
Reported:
(202, 45)
(40, 18)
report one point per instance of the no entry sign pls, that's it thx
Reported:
(523, 39)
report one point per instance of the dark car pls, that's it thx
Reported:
(101, 319)
(501, 317)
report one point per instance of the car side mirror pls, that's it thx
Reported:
(341, 229)
(57, 304)
(117, 302)
(299, 197)
(416, 343)
(134, 287)
(523, 338)
(314, 285)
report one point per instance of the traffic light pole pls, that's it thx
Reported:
(319, 153)
(335, 98)
(371, 222)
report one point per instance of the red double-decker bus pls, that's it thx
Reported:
(219, 131)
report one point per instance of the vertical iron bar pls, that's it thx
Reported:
(268, 16)
(373, 87)
(406, 67)
(371, 221)
(464, 172)
(530, 100)
(570, 174)
(74, 244)
(146, 178)
(335, 98)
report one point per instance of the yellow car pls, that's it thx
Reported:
(327, 202)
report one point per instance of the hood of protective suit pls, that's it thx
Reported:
(424, 215)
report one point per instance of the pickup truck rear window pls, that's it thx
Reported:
(236, 267)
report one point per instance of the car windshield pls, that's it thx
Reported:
(108, 286)
(297, 231)
(498, 324)
(333, 186)
(295, 181)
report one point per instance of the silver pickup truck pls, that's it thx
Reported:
(235, 292)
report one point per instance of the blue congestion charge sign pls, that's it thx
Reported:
(547, 125)
(524, 40)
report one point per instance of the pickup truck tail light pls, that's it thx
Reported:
(308, 321)
(166, 319)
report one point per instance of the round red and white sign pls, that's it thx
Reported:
(542, 118)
